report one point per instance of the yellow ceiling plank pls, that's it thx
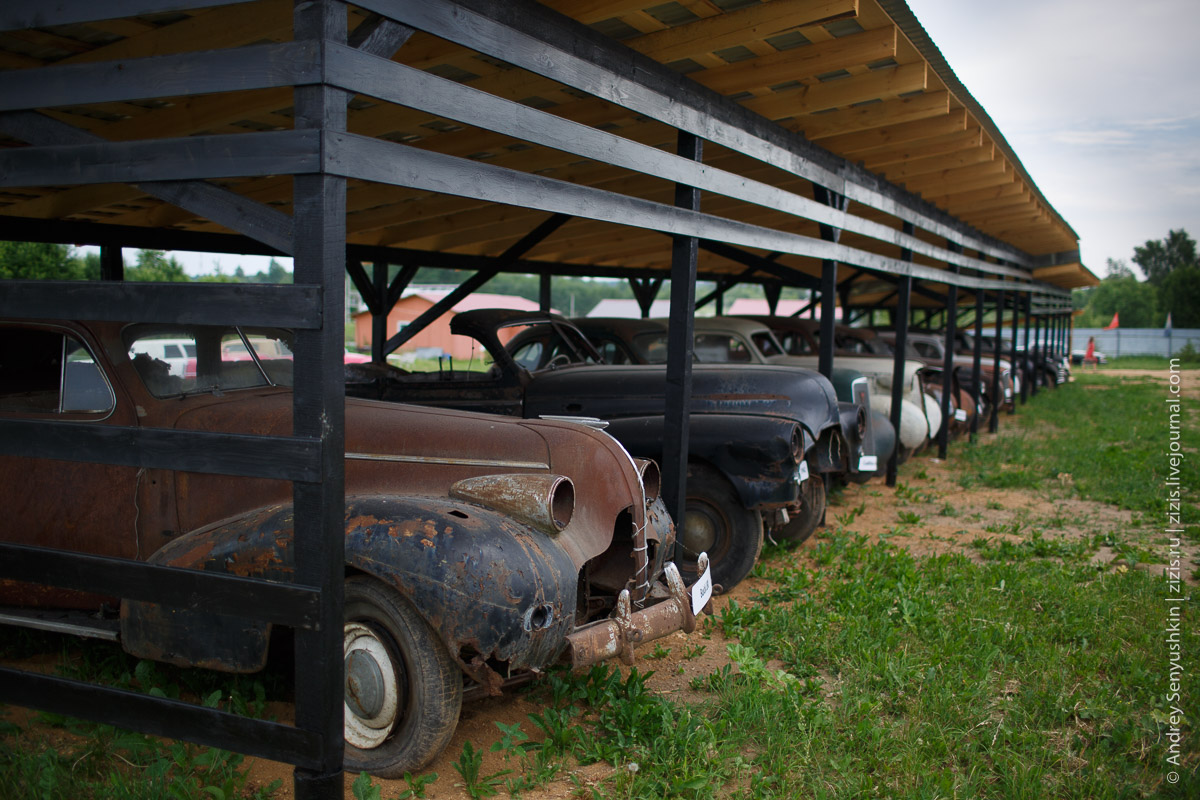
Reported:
(889, 112)
(75, 200)
(589, 11)
(800, 62)
(878, 84)
(989, 193)
(947, 179)
(851, 144)
(898, 173)
(1021, 198)
(878, 157)
(758, 21)
(220, 28)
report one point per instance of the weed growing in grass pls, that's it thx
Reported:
(947, 510)
(909, 518)
(851, 515)
(468, 768)
(659, 651)
(906, 493)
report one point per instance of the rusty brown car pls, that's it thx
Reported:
(477, 547)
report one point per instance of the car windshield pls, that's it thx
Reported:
(550, 344)
(177, 360)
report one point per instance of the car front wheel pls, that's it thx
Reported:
(716, 522)
(403, 691)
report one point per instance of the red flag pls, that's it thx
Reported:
(1114, 324)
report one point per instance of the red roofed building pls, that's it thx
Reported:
(437, 336)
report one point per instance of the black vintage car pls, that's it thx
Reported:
(759, 439)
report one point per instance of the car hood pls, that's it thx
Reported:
(613, 392)
(398, 449)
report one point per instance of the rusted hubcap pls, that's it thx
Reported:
(372, 693)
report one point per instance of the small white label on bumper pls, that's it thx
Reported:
(702, 591)
(960, 414)
(867, 463)
(802, 472)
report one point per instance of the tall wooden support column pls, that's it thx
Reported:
(544, 293)
(948, 361)
(900, 322)
(684, 254)
(828, 282)
(1026, 386)
(319, 411)
(998, 396)
(112, 263)
(1016, 318)
(1033, 347)
(977, 361)
(380, 311)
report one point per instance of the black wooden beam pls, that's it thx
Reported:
(977, 360)
(997, 392)
(171, 159)
(112, 263)
(364, 158)
(283, 458)
(290, 306)
(187, 589)
(680, 347)
(645, 290)
(319, 411)
(160, 716)
(239, 69)
(765, 264)
(948, 366)
(903, 304)
(514, 252)
(829, 282)
(18, 16)
(380, 312)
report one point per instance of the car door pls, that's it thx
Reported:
(51, 372)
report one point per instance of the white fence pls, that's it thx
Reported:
(1137, 341)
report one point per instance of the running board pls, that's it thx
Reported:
(77, 623)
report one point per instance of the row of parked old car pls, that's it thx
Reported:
(499, 518)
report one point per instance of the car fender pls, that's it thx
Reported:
(490, 587)
(754, 453)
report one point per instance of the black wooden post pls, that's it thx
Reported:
(544, 295)
(1027, 302)
(903, 308)
(319, 411)
(684, 254)
(1032, 348)
(900, 322)
(112, 263)
(828, 282)
(977, 361)
(948, 360)
(379, 312)
(997, 390)
(1016, 309)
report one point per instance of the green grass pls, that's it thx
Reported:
(1144, 362)
(100, 762)
(1108, 434)
(906, 678)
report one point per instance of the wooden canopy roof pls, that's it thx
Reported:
(858, 78)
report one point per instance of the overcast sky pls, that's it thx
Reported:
(1100, 100)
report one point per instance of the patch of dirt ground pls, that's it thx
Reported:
(928, 512)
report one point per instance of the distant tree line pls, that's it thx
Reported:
(1172, 285)
(44, 261)
(578, 296)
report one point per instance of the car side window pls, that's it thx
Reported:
(529, 355)
(50, 372)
